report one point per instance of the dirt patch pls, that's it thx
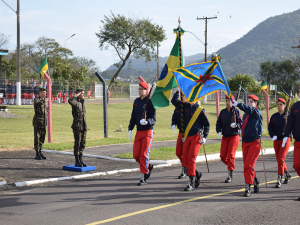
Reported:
(5, 114)
(16, 149)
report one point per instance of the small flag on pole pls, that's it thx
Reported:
(43, 68)
(264, 86)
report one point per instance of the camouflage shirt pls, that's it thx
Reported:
(78, 112)
(41, 113)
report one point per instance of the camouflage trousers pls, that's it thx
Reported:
(39, 138)
(79, 141)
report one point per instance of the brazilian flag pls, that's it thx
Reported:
(43, 67)
(162, 94)
(264, 86)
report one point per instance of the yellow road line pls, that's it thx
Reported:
(173, 204)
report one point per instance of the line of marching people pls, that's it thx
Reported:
(193, 126)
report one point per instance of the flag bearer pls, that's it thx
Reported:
(195, 123)
(275, 128)
(251, 131)
(230, 140)
(293, 125)
(144, 135)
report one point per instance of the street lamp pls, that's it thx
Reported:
(68, 38)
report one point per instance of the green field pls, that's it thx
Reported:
(18, 132)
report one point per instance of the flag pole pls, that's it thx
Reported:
(49, 95)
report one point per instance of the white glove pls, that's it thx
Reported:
(203, 141)
(274, 138)
(129, 133)
(233, 125)
(219, 135)
(143, 122)
(284, 141)
(234, 103)
(173, 127)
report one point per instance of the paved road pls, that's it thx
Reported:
(163, 201)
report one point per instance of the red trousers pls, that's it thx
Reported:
(228, 149)
(250, 155)
(179, 148)
(280, 153)
(191, 147)
(297, 157)
(65, 97)
(141, 149)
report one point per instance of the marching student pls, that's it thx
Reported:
(293, 126)
(275, 128)
(179, 144)
(230, 140)
(251, 131)
(195, 123)
(144, 135)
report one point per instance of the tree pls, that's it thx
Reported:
(84, 61)
(248, 83)
(3, 40)
(129, 36)
(284, 73)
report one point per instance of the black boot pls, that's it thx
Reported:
(247, 191)
(77, 161)
(278, 184)
(41, 154)
(256, 185)
(81, 162)
(147, 176)
(287, 177)
(142, 181)
(37, 155)
(198, 176)
(191, 183)
(229, 178)
(183, 173)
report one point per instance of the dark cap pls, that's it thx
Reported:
(42, 89)
(78, 90)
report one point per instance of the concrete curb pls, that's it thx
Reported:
(163, 163)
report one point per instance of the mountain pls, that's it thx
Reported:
(269, 40)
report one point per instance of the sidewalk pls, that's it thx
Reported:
(20, 166)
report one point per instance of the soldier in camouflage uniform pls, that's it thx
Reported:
(79, 125)
(40, 122)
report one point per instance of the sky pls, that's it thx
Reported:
(61, 19)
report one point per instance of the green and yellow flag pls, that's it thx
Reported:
(43, 67)
(162, 94)
(264, 86)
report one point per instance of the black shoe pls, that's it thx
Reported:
(198, 176)
(278, 184)
(147, 176)
(142, 180)
(190, 186)
(247, 191)
(256, 185)
(229, 178)
(38, 156)
(77, 161)
(42, 156)
(287, 177)
(183, 173)
(81, 162)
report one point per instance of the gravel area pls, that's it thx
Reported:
(4, 114)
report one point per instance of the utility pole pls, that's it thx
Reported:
(205, 34)
(18, 86)
(157, 63)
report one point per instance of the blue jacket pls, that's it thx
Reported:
(254, 126)
(176, 118)
(201, 123)
(137, 113)
(276, 125)
(293, 122)
(224, 121)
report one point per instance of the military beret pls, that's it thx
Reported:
(281, 100)
(227, 97)
(254, 97)
(42, 89)
(144, 85)
(78, 90)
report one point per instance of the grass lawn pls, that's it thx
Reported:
(18, 132)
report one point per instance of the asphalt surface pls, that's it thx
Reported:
(118, 200)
